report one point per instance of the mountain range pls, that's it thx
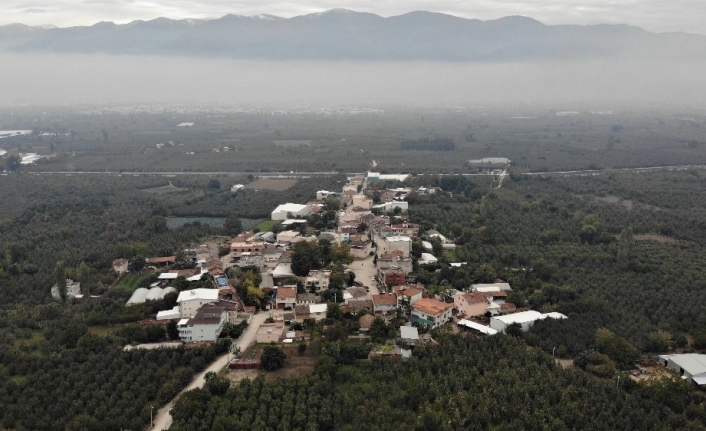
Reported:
(341, 34)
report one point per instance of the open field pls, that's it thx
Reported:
(272, 184)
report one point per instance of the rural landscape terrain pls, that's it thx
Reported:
(597, 215)
(344, 221)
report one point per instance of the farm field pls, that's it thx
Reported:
(278, 185)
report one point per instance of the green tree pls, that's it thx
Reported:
(334, 312)
(485, 274)
(273, 358)
(378, 330)
(13, 162)
(625, 246)
(60, 278)
(215, 384)
(658, 341)
(233, 225)
(305, 257)
(172, 330)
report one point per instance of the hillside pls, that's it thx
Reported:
(346, 35)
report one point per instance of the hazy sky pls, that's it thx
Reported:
(652, 15)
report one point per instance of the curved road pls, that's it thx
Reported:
(163, 420)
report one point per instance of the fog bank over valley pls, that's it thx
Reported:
(50, 79)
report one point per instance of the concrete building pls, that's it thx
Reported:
(525, 319)
(205, 326)
(324, 194)
(385, 303)
(286, 237)
(318, 279)
(395, 243)
(471, 303)
(286, 298)
(73, 289)
(247, 247)
(120, 266)
(190, 301)
(431, 312)
(391, 276)
(407, 293)
(395, 261)
(409, 335)
(283, 211)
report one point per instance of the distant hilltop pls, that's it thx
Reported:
(341, 34)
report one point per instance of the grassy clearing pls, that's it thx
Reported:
(131, 282)
(267, 225)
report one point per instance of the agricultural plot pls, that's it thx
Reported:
(272, 184)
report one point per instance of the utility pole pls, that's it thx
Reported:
(553, 351)
(151, 416)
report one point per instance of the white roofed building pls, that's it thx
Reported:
(283, 211)
(690, 366)
(525, 319)
(191, 300)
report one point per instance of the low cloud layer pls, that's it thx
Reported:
(652, 15)
(62, 79)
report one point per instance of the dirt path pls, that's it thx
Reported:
(163, 420)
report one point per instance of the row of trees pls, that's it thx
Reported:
(461, 383)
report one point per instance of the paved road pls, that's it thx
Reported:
(257, 174)
(163, 420)
(363, 270)
(608, 170)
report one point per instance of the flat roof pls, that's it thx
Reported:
(477, 326)
(409, 332)
(521, 317)
(290, 207)
(318, 308)
(693, 363)
(205, 294)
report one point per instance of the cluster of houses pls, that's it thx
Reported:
(381, 229)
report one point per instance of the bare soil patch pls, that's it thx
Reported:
(272, 184)
(565, 363)
(651, 370)
(296, 366)
(655, 237)
(236, 376)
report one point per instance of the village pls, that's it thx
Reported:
(373, 281)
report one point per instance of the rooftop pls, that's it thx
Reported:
(203, 294)
(475, 298)
(477, 326)
(385, 299)
(208, 315)
(286, 292)
(431, 306)
(409, 332)
(406, 290)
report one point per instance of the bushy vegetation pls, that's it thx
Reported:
(96, 386)
(460, 384)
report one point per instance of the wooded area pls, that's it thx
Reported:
(620, 253)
